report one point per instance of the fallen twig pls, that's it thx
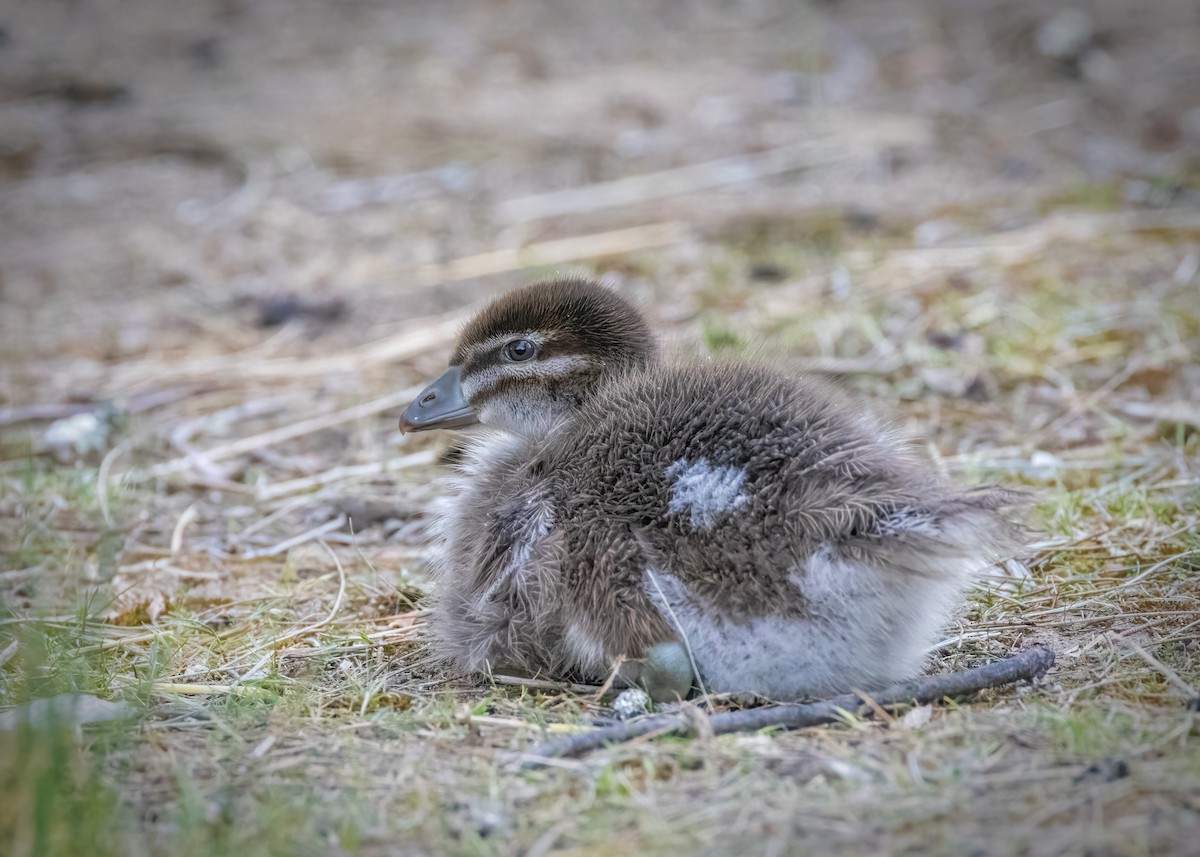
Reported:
(180, 689)
(302, 538)
(43, 412)
(1015, 246)
(416, 338)
(185, 520)
(136, 404)
(542, 684)
(421, 334)
(557, 251)
(640, 189)
(181, 435)
(1169, 674)
(289, 432)
(1170, 412)
(350, 471)
(1027, 665)
(102, 479)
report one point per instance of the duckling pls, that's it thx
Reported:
(719, 524)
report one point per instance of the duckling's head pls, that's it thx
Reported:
(533, 357)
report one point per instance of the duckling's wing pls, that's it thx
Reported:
(789, 537)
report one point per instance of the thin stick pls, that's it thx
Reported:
(272, 646)
(21, 573)
(1010, 248)
(423, 334)
(559, 251)
(1169, 674)
(43, 411)
(351, 471)
(414, 339)
(1163, 412)
(1125, 584)
(1027, 665)
(202, 689)
(102, 479)
(315, 533)
(542, 684)
(1092, 620)
(182, 434)
(636, 190)
(286, 509)
(291, 432)
(189, 515)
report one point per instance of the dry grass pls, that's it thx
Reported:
(239, 557)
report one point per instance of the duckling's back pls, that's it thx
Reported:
(786, 536)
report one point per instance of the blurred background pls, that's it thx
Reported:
(175, 177)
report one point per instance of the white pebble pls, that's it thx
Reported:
(630, 703)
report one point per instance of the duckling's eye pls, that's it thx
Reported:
(518, 350)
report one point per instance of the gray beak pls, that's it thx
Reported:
(440, 405)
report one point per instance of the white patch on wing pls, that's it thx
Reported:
(705, 491)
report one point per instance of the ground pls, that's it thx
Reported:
(235, 237)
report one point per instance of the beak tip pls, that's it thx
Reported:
(408, 426)
(440, 405)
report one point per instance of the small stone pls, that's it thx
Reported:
(1105, 771)
(70, 709)
(949, 382)
(1043, 465)
(767, 271)
(1099, 67)
(1065, 34)
(836, 769)
(915, 718)
(630, 703)
(75, 437)
(931, 233)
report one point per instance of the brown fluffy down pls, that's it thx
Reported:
(554, 546)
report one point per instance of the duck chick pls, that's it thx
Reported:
(718, 521)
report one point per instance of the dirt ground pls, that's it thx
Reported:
(236, 237)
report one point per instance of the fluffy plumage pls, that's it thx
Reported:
(793, 543)
(576, 317)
